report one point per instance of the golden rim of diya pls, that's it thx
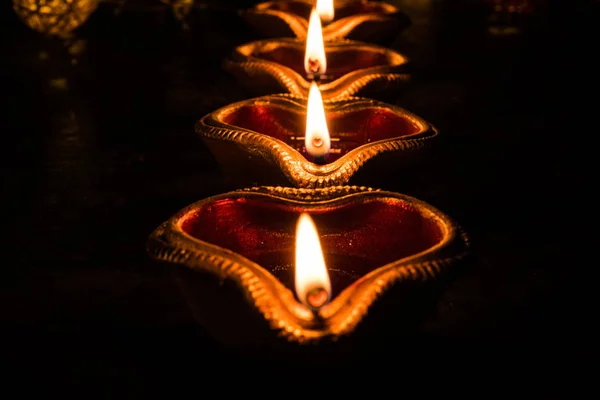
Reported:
(276, 311)
(384, 21)
(265, 76)
(295, 166)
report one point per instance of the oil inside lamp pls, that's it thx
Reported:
(316, 140)
(315, 63)
(326, 10)
(313, 287)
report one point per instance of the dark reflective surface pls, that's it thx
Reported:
(99, 149)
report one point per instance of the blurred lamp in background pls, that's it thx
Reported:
(54, 17)
(508, 17)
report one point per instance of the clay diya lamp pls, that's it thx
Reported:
(283, 140)
(342, 68)
(370, 21)
(274, 266)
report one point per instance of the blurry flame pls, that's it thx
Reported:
(316, 139)
(312, 281)
(326, 10)
(314, 57)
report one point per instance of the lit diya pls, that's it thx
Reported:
(371, 21)
(282, 139)
(303, 265)
(342, 68)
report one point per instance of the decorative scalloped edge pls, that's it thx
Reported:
(294, 166)
(246, 278)
(196, 254)
(304, 194)
(395, 274)
(363, 82)
(284, 78)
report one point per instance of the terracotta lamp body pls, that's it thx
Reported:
(353, 69)
(234, 261)
(261, 141)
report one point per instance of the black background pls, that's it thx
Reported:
(97, 153)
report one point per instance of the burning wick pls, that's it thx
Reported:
(315, 63)
(316, 140)
(314, 66)
(317, 297)
(312, 280)
(326, 10)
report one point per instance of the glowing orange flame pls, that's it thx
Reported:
(312, 280)
(315, 62)
(326, 10)
(316, 139)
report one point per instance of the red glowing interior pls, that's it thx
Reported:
(302, 9)
(356, 237)
(348, 129)
(339, 62)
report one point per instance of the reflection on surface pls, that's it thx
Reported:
(54, 17)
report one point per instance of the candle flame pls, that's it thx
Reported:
(326, 10)
(316, 139)
(312, 280)
(315, 62)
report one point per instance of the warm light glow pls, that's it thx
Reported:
(316, 139)
(326, 10)
(312, 281)
(315, 63)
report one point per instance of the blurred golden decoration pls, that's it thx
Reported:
(54, 17)
(507, 17)
(181, 8)
(513, 6)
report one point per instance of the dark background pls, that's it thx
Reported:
(99, 148)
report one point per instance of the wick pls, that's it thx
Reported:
(317, 142)
(317, 297)
(314, 65)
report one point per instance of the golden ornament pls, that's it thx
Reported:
(54, 17)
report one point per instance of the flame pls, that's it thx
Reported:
(316, 139)
(312, 281)
(326, 10)
(315, 62)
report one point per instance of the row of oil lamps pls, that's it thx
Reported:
(247, 274)
(304, 255)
